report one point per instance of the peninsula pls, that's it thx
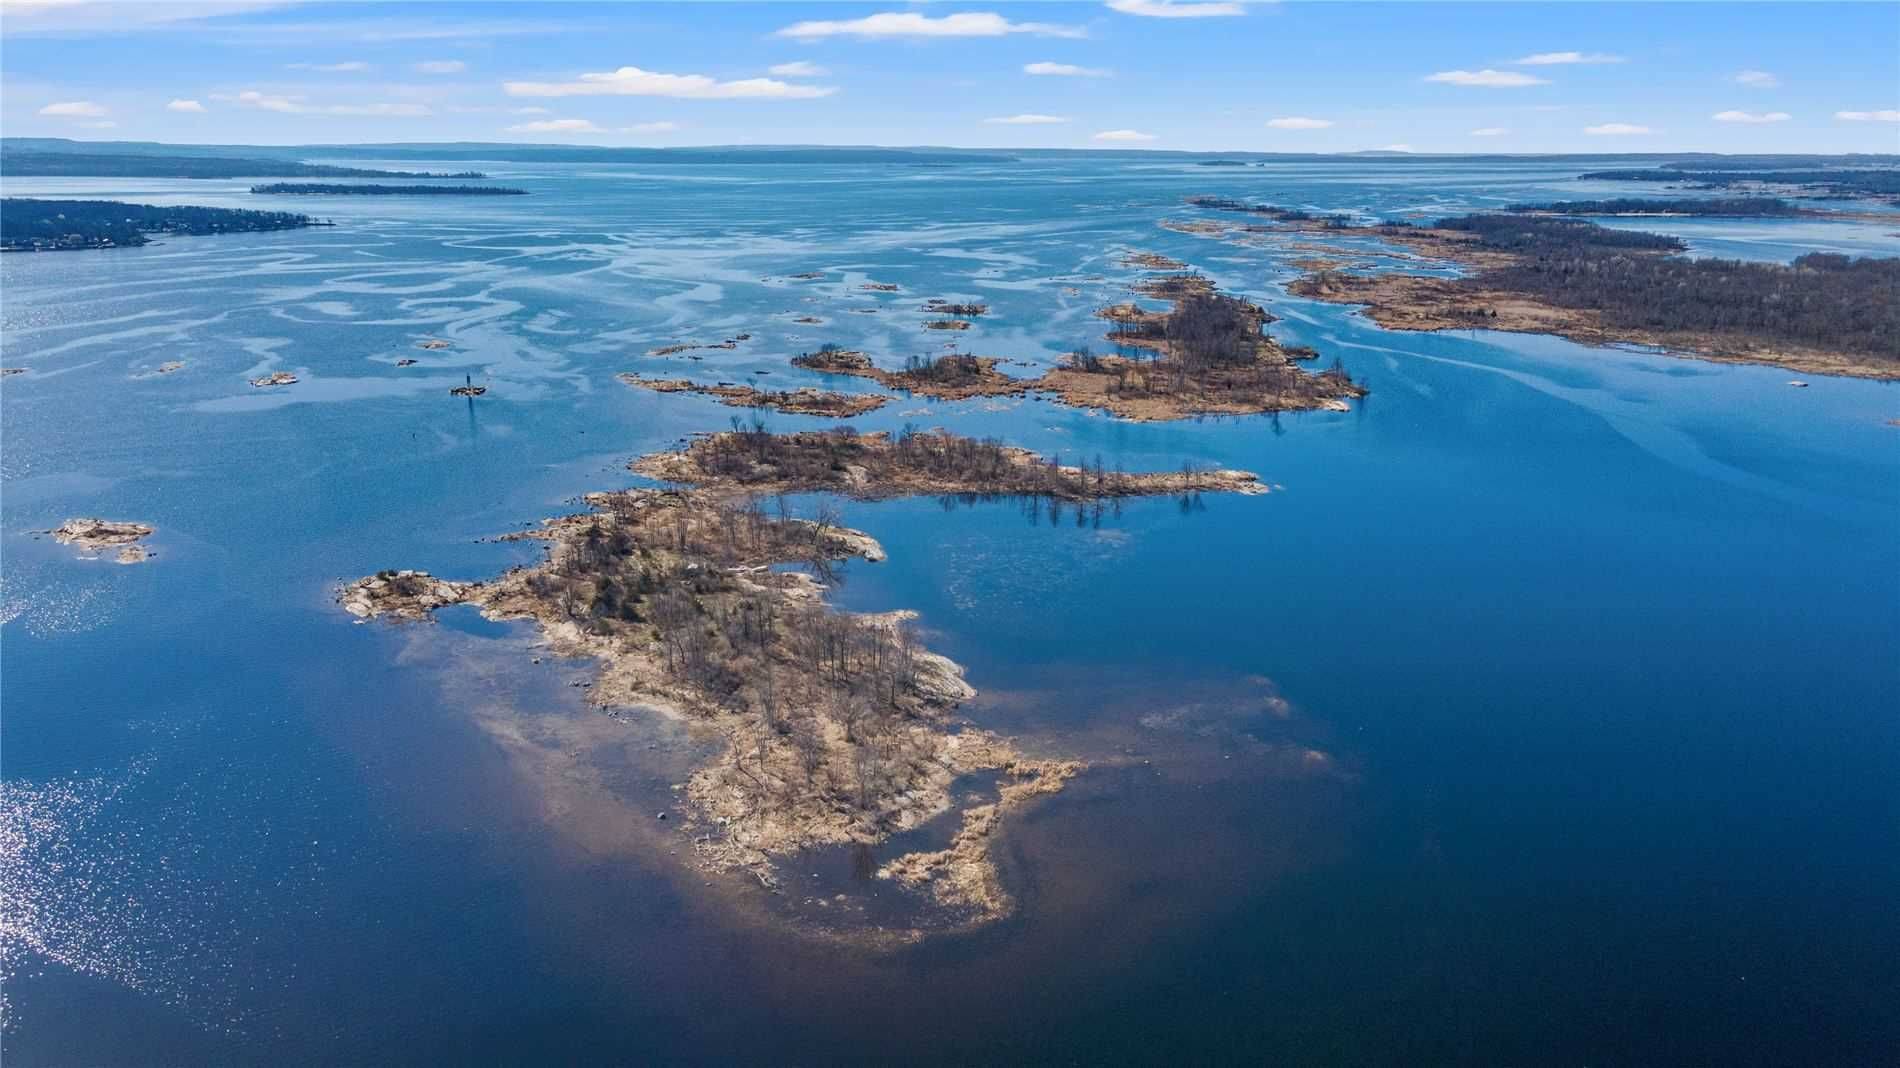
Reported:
(27, 163)
(832, 728)
(333, 189)
(1825, 313)
(33, 225)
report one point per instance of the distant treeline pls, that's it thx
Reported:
(107, 165)
(1726, 206)
(333, 189)
(28, 224)
(1823, 300)
(1842, 182)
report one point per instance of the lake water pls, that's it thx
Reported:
(1548, 712)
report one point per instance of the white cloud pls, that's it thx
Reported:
(1026, 120)
(1757, 79)
(1868, 116)
(189, 107)
(1398, 148)
(798, 69)
(556, 126)
(353, 66)
(1555, 59)
(662, 126)
(1615, 129)
(1066, 70)
(1171, 9)
(441, 66)
(74, 109)
(1124, 135)
(1486, 79)
(632, 81)
(1490, 131)
(1298, 122)
(911, 24)
(1751, 117)
(297, 105)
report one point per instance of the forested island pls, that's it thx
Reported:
(23, 164)
(28, 224)
(333, 189)
(828, 727)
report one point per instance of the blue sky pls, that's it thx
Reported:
(1164, 74)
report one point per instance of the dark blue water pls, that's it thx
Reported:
(1545, 713)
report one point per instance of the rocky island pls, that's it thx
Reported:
(835, 728)
(803, 401)
(96, 536)
(1206, 355)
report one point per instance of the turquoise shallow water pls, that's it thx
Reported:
(1545, 714)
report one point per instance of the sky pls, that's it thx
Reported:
(1200, 75)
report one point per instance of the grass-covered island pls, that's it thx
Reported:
(335, 189)
(828, 728)
(33, 225)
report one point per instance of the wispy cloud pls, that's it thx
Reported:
(1490, 131)
(1868, 116)
(632, 81)
(1066, 70)
(1486, 79)
(1616, 129)
(662, 126)
(353, 66)
(1171, 9)
(297, 105)
(1557, 59)
(1298, 122)
(1124, 136)
(798, 69)
(441, 66)
(1027, 120)
(188, 107)
(75, 109)
(74, 16)
(912, 24)
(1757, 79)
(556, 126)
(492, 109)
(1751, 116)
